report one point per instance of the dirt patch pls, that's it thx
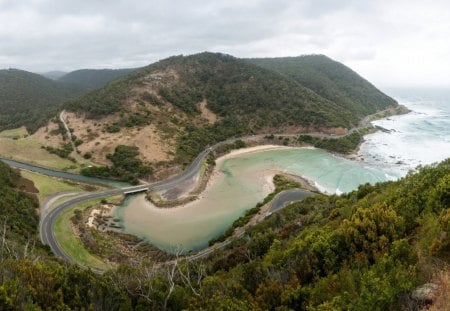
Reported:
(153, 148)
(26, 185)
(48, 135)
(207, 114)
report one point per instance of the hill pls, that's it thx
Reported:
(90, 79)
(54, 75)
(331, 80)
(189, 102)
(30, 99)
(366, 250)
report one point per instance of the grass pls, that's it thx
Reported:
(20, 132)
(71, 244)
(49, 186)
(18, 145)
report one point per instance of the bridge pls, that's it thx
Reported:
(135, 190)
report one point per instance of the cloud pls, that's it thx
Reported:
(388, 42)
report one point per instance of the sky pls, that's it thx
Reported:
(390, 43)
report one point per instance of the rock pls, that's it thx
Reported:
(425, 293)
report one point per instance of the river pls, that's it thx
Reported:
(418, 138)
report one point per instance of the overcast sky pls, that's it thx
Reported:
(401, 42)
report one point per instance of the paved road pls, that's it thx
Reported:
(48, 219)
(280, 201)
(286, 197)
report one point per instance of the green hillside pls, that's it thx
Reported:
(90, 79)
(246, 98)
(331, 80)
(30, 99)
(366, 250)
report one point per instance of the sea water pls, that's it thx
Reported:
(418, 138)
(241, 183)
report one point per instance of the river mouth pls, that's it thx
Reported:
(239, 182)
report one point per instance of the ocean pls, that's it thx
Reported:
(420, 137)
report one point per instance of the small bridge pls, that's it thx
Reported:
(135, 190)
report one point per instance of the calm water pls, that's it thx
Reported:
(421, 137)
(240, 186)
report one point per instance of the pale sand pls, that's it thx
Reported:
(105, 210)
(249, 150)
(264, 177)
(215, 209)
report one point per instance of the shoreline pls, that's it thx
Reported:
(207, 181)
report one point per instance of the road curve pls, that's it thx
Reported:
(286, 197)
(48, 219)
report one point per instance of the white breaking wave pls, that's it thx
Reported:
(419, 138)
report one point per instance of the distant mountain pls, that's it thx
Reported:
(90, 79)
(30, 99)
(245, 96)
(54, 75)
(331, 80)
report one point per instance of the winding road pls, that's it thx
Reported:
(48, 218)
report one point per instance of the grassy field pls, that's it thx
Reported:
(71, 244)
(20, 132)
(49, 186)
(18, 145)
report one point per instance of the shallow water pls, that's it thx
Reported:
(239, 187)
(421, 137)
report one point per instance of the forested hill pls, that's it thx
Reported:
(331, 80)
(366, 250)
(90, 79)
(236, 88)
(30, 99)
(244, 97)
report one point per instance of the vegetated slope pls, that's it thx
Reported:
(18, 216)
(54, 75)
(331, 80)
(366, 250)
(245, 98)
(30, 99)
(90, 79)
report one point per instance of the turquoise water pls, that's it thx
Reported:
(241, 184)
(331, 174)
(419, 138)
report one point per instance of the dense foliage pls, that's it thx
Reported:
(18, 218)
(365, 250)
(126, 166)
(247, 98)
(90, 79)
(330, 80)
(344, 145)
(30, 99)
(64, 151)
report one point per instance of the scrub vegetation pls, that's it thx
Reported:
(126, 166)
(246, 96)
(364, 250)
(344, 145)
